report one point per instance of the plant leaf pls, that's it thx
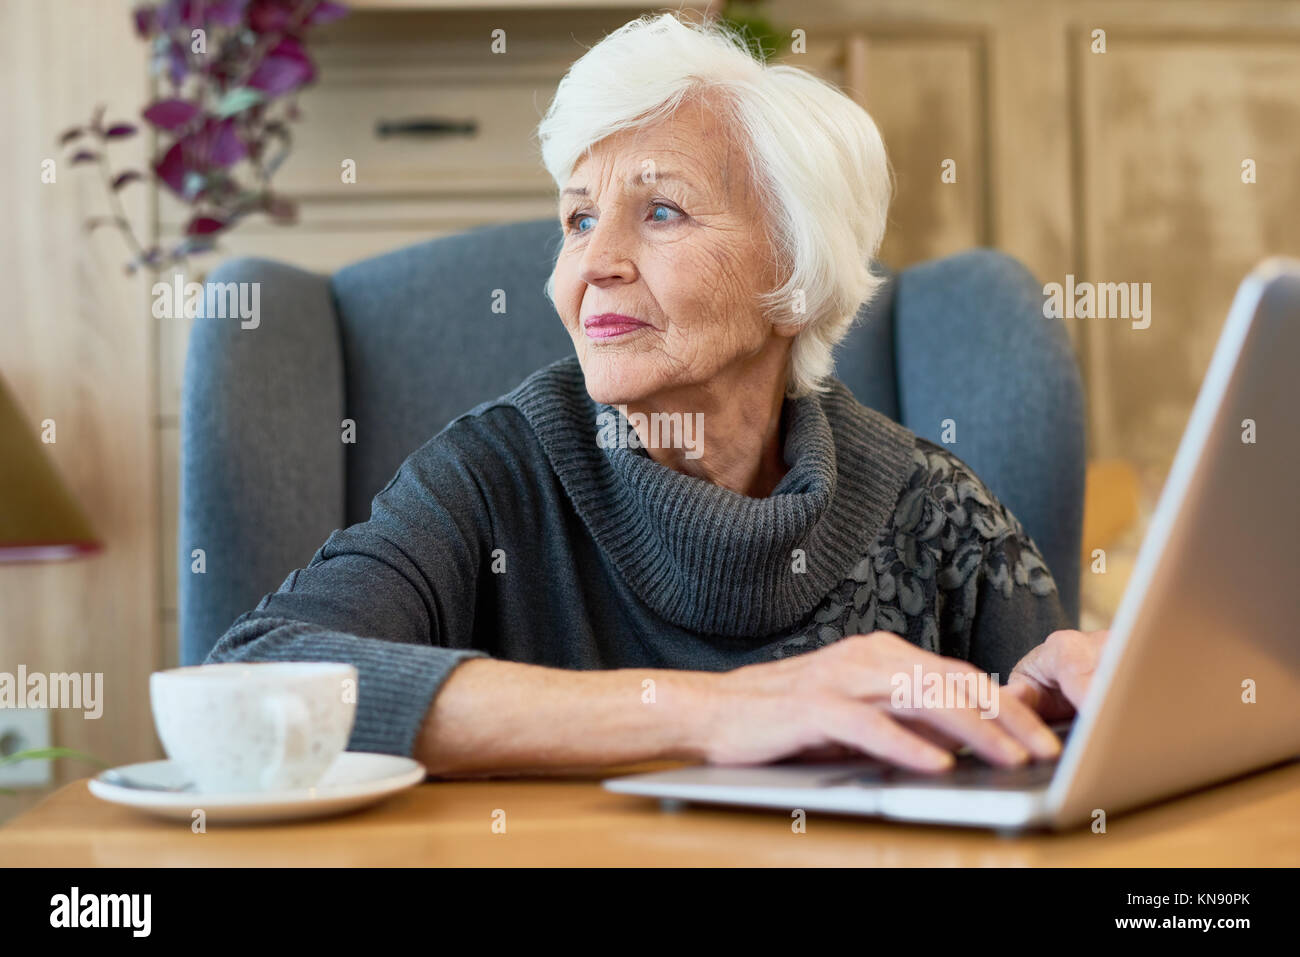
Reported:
(170, 168)
(119, 131)
(68, 135)
(226, 13)
(269, 18)
(238, 100)
(225, 148)
(193, 185)
(146, 20)
(285, 68)
(170, 115)
(178, 67)
(203, 225)
(42, 754)
(83, 156)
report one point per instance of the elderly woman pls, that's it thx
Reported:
(688, 540)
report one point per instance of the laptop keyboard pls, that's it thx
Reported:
(968, 771)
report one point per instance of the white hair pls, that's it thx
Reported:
(815, 157)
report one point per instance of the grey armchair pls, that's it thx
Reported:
(402, 343)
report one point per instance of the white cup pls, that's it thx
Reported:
(254, 726)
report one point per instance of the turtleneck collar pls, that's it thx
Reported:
(706, 558)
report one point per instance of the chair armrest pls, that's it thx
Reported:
(262, 461)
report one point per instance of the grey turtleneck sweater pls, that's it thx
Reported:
(514, 534)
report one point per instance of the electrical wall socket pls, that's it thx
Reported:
(20, 730)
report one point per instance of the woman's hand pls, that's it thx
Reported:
(1054, 677)
(841, 698)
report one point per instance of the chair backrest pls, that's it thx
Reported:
(290, 427)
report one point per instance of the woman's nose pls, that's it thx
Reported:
(609, 255)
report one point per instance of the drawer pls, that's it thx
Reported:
(342, 122)
(491, 116)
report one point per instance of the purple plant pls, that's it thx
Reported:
(234, 68)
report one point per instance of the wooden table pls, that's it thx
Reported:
(1254, 821)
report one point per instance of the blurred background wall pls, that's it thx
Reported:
(1117, 166)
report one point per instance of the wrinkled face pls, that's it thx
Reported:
(663, 226)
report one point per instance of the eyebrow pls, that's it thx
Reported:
(632, 180)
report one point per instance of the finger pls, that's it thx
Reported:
(871, 731)
(1048, 703)
(986, 738)
(1008, 739)
(825, 752)
(1003, 730)
(1015, 707)
(1022, 720)
(933, 735)
(1027, 693)
(1074, 688)
(972, 710)
(1075, 672)
(1063, 673)
(1022, 689)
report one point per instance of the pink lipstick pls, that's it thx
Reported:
(608, 325)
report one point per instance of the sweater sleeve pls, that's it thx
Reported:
(394, 596)
(995, 594)
(1017, 606)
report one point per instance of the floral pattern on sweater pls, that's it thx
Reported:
(922, 576)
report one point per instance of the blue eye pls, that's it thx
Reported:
(575, 218)
(664, 207)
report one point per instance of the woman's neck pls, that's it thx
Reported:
(740, 440)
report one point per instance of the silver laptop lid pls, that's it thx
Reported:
(1200, 679)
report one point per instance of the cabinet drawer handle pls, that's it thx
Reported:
(425, 127)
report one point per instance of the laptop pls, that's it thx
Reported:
(1199, 680)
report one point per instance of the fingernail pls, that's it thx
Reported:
(941, 760)
(1014, 751)
(1047, 741)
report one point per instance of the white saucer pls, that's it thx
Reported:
(355, 779)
